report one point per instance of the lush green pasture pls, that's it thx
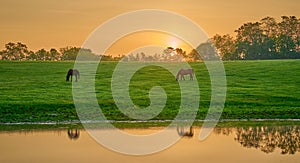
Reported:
(37, 91)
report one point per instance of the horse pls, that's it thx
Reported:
(183, 72)
(72, 72)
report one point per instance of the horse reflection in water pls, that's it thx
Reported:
(73, 134)
(181, 132)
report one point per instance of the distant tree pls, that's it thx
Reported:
(87, 55)
(226, 47)
(118, 58)
(268, 39)
(207, 51)
(180, 52)
(15, 51)
(131, 57)
(106, 58)
(41, 54)
(125, 58)
(137, 56)
(3, 55)
(54, 55)
(156, 57)
(31, 56)
(69, 53)
(193, 56)
(289, 37)
(250, 40)
(150, 58)
(167, 53)
(172, 54)
(270, 31)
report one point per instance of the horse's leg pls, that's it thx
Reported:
(71, 78)
(76, 78)
(191, 76)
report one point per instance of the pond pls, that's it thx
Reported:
(225, 144)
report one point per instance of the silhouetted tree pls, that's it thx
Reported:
(69, 53)
(106, 58)
(41, 54)
(270, 31)
(31, 56)
(87, 55)
(289, 37)
(250, 41)
(193, 56)
(207, 51)
(54, 55)
(226, 47)
(265, 39)
(15, 51)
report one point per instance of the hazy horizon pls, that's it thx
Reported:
(57, 24)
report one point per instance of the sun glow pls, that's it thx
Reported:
(128, 43)
(174, 43)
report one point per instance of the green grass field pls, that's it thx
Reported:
(38, 92)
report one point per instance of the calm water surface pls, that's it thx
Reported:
(241, 144)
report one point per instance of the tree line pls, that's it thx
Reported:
(19, 51)
(265, 39)
(266, 138)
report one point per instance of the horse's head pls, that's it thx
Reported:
(70, 73)
(67, 77)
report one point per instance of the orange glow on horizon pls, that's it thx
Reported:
(57, 24)
(137, 40)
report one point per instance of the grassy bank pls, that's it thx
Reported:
(120, 125)
(37, 91)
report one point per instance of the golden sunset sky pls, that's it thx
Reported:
(60, 23)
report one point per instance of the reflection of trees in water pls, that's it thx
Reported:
(223, 131)
(267, 138)
(287, 138)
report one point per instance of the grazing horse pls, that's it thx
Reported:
(72, 72)
(183, 72)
